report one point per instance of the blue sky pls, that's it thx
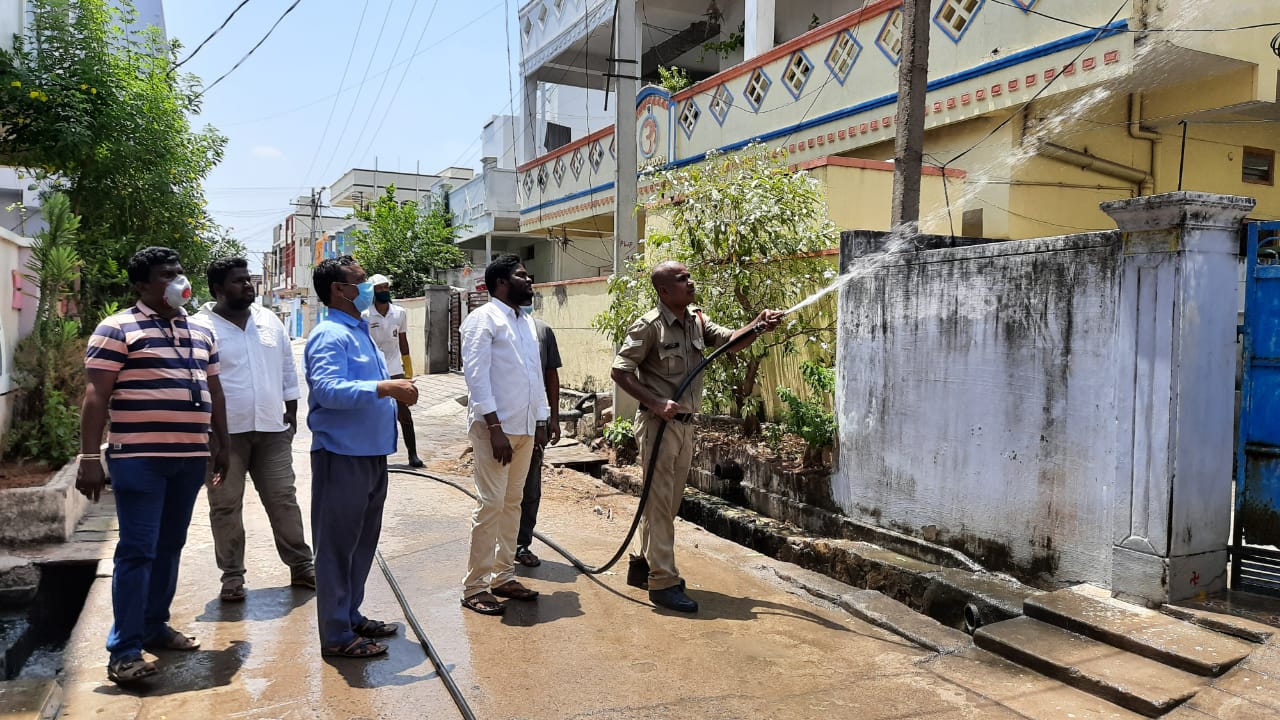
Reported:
(274, 109)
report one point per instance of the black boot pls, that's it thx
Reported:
(411, 445)
(638, 573)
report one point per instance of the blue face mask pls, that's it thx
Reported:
(526, 309)
(364, 299)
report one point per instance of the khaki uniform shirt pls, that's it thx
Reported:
(661, 349)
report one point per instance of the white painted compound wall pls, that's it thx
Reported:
(977, 401)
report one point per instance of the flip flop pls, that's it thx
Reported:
(371, 628)
(360, 647)
(232, 594)
(514, 590)
(484, 603)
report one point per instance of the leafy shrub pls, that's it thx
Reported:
(810, 418)
(673, 79)
(619, 432)
(621, 436)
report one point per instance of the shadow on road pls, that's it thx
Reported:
(548, 608)
(387, 670)
(182, 672)
(718, 606)
(260, 605)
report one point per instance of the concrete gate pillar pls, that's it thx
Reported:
(1176, 365)
(437, 329)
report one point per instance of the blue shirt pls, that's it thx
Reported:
(345, 414)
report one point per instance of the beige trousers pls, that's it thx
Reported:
(656, 541)
(496, 519)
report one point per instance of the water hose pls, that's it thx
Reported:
(648, 470)
(441, 669)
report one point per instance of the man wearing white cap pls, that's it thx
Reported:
(389, 328)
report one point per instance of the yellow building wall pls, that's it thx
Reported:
(862, 199)
(569, 307)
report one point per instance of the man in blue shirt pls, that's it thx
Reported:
(352, 416)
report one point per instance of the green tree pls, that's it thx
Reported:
(747, 226)
(406, 241)
(218, 242)
(47, 365)
(102, 115)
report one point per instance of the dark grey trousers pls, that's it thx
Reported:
(347, 496)
(531, 500)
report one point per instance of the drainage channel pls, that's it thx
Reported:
(34, 635)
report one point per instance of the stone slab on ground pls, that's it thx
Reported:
(1145, 632)
(30, 699)
(1128, 680)
(879, 610)
(1024, 691)
(1240, 627)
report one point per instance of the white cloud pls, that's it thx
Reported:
(267, 151)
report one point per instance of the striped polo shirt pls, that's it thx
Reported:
(158, 363)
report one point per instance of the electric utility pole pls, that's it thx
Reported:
(625, 70)
(913, 80)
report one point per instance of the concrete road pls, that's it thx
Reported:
(588, 648)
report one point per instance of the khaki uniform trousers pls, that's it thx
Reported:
(657, 536)
(496, 519)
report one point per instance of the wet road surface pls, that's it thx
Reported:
(588, 648)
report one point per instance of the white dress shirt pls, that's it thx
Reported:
(386, 331)
(503, 368)
(258, 373)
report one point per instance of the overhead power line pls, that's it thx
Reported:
(355, 39)
(212, 34)
(254, 48)
(396, 93)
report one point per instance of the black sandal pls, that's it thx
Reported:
(371, 628)
(525, 557)
(360, 647)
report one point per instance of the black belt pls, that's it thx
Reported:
(680, 417)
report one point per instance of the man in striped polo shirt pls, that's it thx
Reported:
(157, 375)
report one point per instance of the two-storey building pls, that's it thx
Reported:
(1037, 110)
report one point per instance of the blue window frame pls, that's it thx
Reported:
(757, 88)
(889, 39)
(955, 17)
(796, 76)
(842, 56)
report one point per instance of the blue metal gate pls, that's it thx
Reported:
(1255, 557)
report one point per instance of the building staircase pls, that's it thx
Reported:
(1144, 661)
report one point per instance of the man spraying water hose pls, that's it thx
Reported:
(660, 350)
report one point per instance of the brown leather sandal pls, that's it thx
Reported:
(484, 603)
(514, 590)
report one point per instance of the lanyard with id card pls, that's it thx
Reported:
(197, 399)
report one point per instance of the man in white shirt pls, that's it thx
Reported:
(389, 328)
(508, 413)
(260, 382)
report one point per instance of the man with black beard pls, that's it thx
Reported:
(508, 414)
(260, 382)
